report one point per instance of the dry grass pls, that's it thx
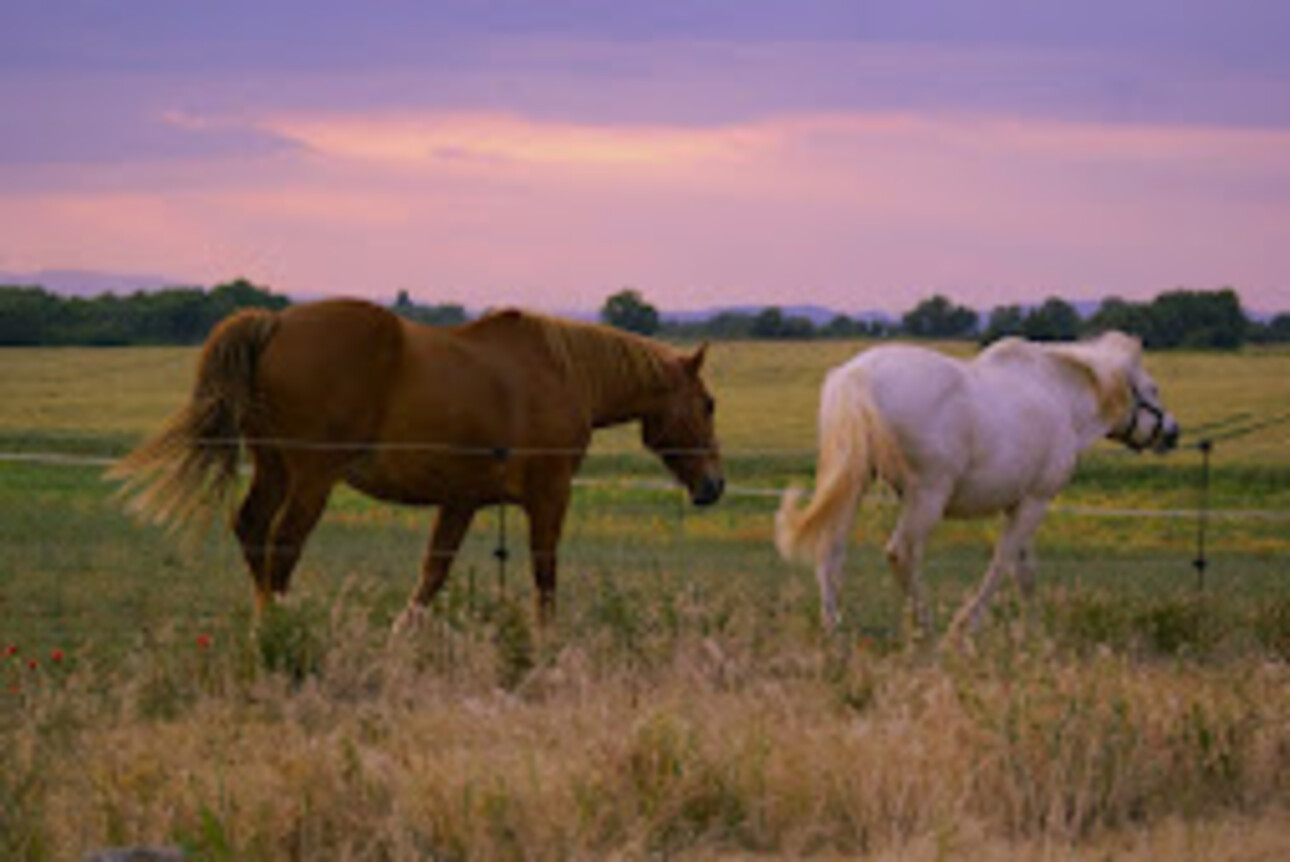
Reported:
(431, 750)
(732, 733)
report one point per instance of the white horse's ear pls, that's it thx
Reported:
(1123, 343)
(694, 362)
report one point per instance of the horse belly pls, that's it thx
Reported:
(420, 479)
(998, 480)
(978, 499)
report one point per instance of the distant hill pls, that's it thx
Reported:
(83, 282)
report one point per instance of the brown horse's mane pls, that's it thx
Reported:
(600, 361)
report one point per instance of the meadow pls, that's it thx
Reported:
(686, 704)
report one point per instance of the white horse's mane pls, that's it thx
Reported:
(1106, 361)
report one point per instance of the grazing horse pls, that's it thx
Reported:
(499, 410)
(964, 439)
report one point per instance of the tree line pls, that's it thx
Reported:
(1206, 319)
(1200, 319)
(177, 315)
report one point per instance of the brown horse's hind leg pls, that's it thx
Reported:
(296, 519)
(449, 531)
(255, 518)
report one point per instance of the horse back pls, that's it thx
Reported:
(327, 373)
(490, 383)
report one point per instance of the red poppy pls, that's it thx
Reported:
(10, 650)
(56, 655)
(204, 641)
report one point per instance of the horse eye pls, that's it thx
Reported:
(709, 404)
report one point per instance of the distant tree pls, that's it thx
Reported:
(769, 323)
(729, 324)
(1054, 320)
(240, 293)
(938, 317)
(1275, 331)
(1119, 314)
(1198, 318)
(443, 314)
(628, 310)
(797, 328)
(1004, 321)
(28, 315)
(842, 326)
(1279, 327)
(174, 315)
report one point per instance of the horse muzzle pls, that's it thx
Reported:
(1167, 439)
(707, 491)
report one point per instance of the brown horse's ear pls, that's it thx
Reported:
(694, 362)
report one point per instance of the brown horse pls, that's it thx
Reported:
(500, 410)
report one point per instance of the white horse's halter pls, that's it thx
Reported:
(1140, 404)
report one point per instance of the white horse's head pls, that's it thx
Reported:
(1131, 403)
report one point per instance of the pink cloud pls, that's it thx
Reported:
(851, 209)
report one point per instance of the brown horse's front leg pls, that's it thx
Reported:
(449, 531)
(546, 522)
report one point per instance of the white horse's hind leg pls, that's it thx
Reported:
(828, 572)
(829, 566)
(921, 510)
(1013, 543)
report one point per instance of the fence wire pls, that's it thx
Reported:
(627, 535)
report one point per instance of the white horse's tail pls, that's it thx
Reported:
(855, 446)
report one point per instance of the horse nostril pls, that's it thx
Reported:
(709, 491)
(1168, 438)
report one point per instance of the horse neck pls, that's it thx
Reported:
(1084, 404)
(617, 376)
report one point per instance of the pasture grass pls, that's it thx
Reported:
(766, 392)
(686, 704)
(694, 743)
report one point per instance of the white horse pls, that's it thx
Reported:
(964, 439)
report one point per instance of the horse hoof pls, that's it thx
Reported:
(409, 622)
(958, 642)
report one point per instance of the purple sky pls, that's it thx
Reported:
(853, 154)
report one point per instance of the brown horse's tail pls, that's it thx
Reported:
(182, 475)
(855, 446)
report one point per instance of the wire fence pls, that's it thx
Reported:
(1202, 513)
(77, 549)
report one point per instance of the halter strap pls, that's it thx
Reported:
(1140, 404)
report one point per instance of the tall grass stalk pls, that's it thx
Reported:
(715, 746)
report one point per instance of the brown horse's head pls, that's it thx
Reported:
(679, 428)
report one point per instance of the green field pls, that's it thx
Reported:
(691, 610)
(60, 525)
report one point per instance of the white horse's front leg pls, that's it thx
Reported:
(1025, 572)
(1013, 542)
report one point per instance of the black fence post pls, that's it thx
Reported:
(501, 553)
(1202, 513)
